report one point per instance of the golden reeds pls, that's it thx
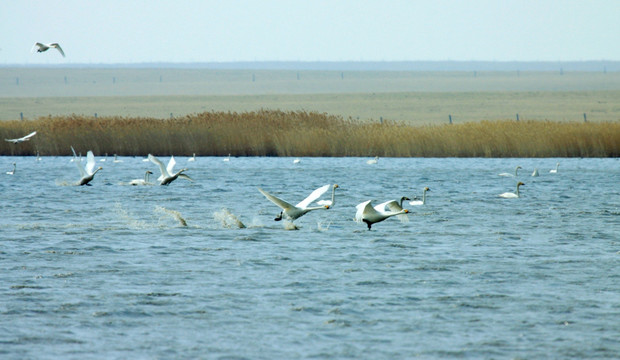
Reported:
(301, 133)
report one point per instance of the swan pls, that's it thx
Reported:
(116, 159)
(509, 195)
(12, 172)
(535, 173)
(555, 171)
(296, 161)
(420, 202)
(507, 174)
(331, 202)
(22, 139)
(144, 181)
(227, 158)
(167, 174)
(193, 158)
(373, 161)
(87, 172)
(38, 156)
(105, 158)
(44, 47)
(371, 215)
(293, 212)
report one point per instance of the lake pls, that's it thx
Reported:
(110, 270)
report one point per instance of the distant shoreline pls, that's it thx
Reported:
(586, 65)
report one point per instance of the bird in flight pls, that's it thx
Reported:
(44, 47)
(22, 139)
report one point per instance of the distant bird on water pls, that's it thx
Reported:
(44, 47)
(22, 139)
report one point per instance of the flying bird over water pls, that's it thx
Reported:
(370, 215)
(167, 173)
(22, 139)
(293, 212)
(44, 47)
(88, 171)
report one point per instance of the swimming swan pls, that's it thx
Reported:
(293, 212)
(44, 47)
(555, 171)
(227, 158)
(193, 158)
(373, 161)
(331, 202)
(167, 174)
(144, 181)
(22, 139)
(535, 173)
(509, 195)
(88, 171)
(371, 215)
(507, 174)
(418, 202)
(12, 172)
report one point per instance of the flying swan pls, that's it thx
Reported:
(167, 173)
(331, 202)
(86, 172)
(508, 174)
(293, 212)
(509, 195)
(420, 202)
(39, 47)
(22, 139)
(371, 215)
(144, 181)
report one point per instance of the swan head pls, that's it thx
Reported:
(427, 189)
(404, 198)
(326, 207)
(405, 211)
(520, 183)
(149, 172)
(336, 186)
(99, 168)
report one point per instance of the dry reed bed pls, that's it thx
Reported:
(300, 133)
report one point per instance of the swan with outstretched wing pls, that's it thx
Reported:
(293, 212)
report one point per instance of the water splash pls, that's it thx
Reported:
(173, 213)
(228, 219)
(288, 225)
(124, 215)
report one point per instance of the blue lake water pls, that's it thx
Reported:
(109, 271)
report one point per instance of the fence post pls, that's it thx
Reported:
(517, 116)
(21, 116)
(450, 118)
(585, 119)
(65, 80)
(95, 115)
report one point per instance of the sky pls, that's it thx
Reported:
(184, 31)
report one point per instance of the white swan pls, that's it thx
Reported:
(293, 212)
(116, 159)
(105, 158)
(12, 172)
(331, 202)
(193, 158)
(508, 174)
(555, 171)
(167, 173)
(373, 161)
(296, 161)
(22, 139)
(144, 181)
(88, 171)
(38, 156)
(370, 215)
(227, 158)
(509, 195)
(39, 47)
(535, 173)
(420, 202)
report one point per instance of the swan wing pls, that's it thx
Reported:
(27, 137)
(392, 205)
(90, 162)
(313, 196)
(57, 46)
(186, 177)
(394, 210)
(37, 46)
(78, 163)
(162, 168)
(171, 164)
(364, 209)
(281, 203)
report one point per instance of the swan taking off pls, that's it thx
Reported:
(144, 181)
(22, 139)
(88, 171)
(423, 201)
(167, 173)
(373, 161)
(371, 215)
(508, 174)
(555, 171)
(44, 47)
(331, 202)
(509, 195)
(293, 212)
(12, 172)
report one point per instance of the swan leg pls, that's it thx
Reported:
(279, 217)
(368, 223)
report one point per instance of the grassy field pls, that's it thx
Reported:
(300, 133)
(417, 98)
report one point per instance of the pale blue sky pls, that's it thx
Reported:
(128, 31)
